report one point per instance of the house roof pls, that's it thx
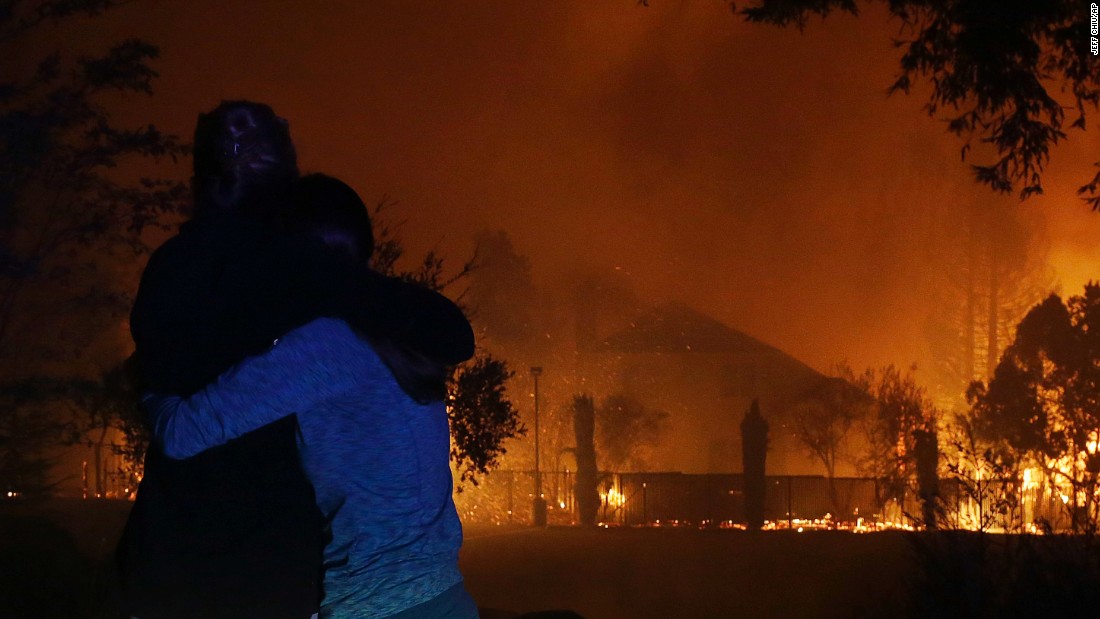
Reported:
(674, 327)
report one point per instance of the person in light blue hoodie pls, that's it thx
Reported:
(374, 442)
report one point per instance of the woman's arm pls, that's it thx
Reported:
(306, 366)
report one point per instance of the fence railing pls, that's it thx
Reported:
(718, 500)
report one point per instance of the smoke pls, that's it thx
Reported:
(758, 174)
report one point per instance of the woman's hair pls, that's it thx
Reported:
(331, 211)
(244, 160)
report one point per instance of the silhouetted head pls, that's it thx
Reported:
(330, 210)
(244, 159)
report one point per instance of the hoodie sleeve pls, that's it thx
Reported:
(305, 367)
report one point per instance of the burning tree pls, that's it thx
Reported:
(1044, 400)
(984, 470)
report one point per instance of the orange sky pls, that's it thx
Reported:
(757, 174)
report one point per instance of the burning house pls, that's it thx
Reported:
(704, 375)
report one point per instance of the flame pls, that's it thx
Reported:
(1031, 476)
(613, 497)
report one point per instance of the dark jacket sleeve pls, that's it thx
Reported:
(182, 321)
(161, 321)
(421, 320)
(222, 291)
(412, 316)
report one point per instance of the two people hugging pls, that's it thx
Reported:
(299, 466)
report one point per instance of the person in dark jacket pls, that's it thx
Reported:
(374, 439)
(235, 532)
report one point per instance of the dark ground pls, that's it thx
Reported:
(651, 573)
(53, 559)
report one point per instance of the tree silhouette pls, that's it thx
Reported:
(626, 430)
(431, 271)
(31, 434)
(997, 71)
(824, 417)
(111, 406)
(63, 214)
(983, 468)
(501, 291)
(901, 411)
(1043, 399)
(482, 417)
(67, 223)
(754, 451)
(926, 455)
(996, 270)
(587, 486)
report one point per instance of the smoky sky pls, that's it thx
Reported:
(758, 174)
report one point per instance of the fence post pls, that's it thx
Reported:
(622, 508)
(710, 503)
(790, 508)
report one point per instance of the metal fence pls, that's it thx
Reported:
(718, 500)
(715, 499)
(645, 498)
